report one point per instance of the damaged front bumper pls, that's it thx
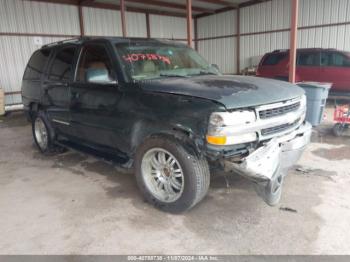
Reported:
(278, 154)
(268, 165)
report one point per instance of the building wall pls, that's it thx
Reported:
(169, 27)
(220, 51)
(34, 18)
(265, 27)
(103, 22)
(22, 23)
(38, 17)
(325, 12)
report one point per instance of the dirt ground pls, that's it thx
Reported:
(74, 203)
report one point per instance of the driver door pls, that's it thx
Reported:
(95, 97)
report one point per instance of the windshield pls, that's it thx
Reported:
(151, 61)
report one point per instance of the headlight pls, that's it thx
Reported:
(216, 119)
(219, 121)
(234, 118)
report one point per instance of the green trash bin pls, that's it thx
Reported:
(316, 95)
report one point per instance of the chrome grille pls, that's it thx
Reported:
(279, 129)
(273, 112)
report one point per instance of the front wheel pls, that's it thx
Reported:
(169, 176)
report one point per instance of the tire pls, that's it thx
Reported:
(271, 192)
(194, 181)
(43, 133)
(339, 129)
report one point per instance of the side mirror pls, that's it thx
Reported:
(98, 76)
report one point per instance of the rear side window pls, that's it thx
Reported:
(62, 65)
(309, 59)
(37, 64)
(274, 59)
(335, 59)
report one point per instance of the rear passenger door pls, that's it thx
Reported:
(308, 66)
(95, 96)
(56, 93)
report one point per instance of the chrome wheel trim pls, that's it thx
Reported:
(162, 175)
(41, 134)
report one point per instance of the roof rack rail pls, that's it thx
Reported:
(71, 40)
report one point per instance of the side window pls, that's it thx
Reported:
(346, 61)
(335, 59)
(309, 59)
(274, 59)
(61, 68)
(338, 60)
(36, 65)
(325, 59)
(95, 65)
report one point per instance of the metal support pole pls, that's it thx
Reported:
(293, 40)
(148, 27)
(122, 15)
(196, 34)
(81, 20)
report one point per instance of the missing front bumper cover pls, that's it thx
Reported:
(277, 155)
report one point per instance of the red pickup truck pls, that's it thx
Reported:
(316, 65)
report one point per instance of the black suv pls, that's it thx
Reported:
(160, 107)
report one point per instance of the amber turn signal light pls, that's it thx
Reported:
(217, 140)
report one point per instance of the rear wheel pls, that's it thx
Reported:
(169, 176)
(43, 133)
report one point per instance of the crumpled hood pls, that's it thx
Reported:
(231, 91)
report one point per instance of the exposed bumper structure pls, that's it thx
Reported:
(275, 157)
(268, 165)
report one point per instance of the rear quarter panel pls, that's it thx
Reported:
(279, 71)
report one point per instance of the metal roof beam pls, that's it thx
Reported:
(218, 2)
(252, 2)
(135, 9)
(82, 2)
(170, 5)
